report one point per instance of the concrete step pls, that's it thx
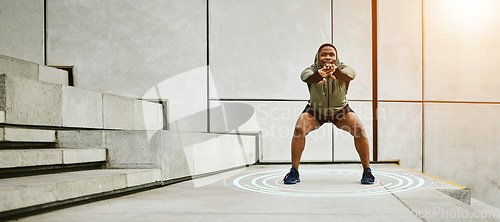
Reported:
(25, 192)
(25, 101)
(41, 157)
(30, 101)
(18, 67)
(8, 134)
(178, 154)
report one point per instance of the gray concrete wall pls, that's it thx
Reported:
(135, 49)
(399, 83)
(461, 65)
(400, 133)
(461, 145)
(399, 50)
(21, 22)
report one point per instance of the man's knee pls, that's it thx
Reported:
(357, 131)
(299, 131)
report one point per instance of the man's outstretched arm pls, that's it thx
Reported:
(344, 72)
(310, 75)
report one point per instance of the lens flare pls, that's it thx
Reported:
(471, 12)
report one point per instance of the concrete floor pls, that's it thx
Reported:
(257, 193)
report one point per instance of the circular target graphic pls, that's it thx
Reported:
(328, 183)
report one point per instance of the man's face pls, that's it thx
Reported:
(327, 55)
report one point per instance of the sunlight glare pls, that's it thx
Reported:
(471, 12)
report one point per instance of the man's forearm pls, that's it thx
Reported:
(342, 76)
(314, 78)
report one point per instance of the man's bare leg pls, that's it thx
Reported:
(352, 124)
(362, 147)
(305, 124)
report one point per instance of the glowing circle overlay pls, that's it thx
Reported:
(270, 182)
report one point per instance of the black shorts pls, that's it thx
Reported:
(328, 119)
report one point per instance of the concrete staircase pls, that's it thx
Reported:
(61, 144)
(35, 103)
(40, 177)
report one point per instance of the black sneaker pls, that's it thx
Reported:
(367, 177)
(292, 177)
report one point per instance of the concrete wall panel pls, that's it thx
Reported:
(126, 47)
(241, 149)
(258, 48)
(81, 108)
(117, 112)
(146, 115)
(130, 149)
(187, 99)
(21, 22)
(53, 75)
(461, 145)
(217, 152)
(399, 50)
(352, 37)
(177, 156)
(461, 65)
(204, 153)
(400, 133)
